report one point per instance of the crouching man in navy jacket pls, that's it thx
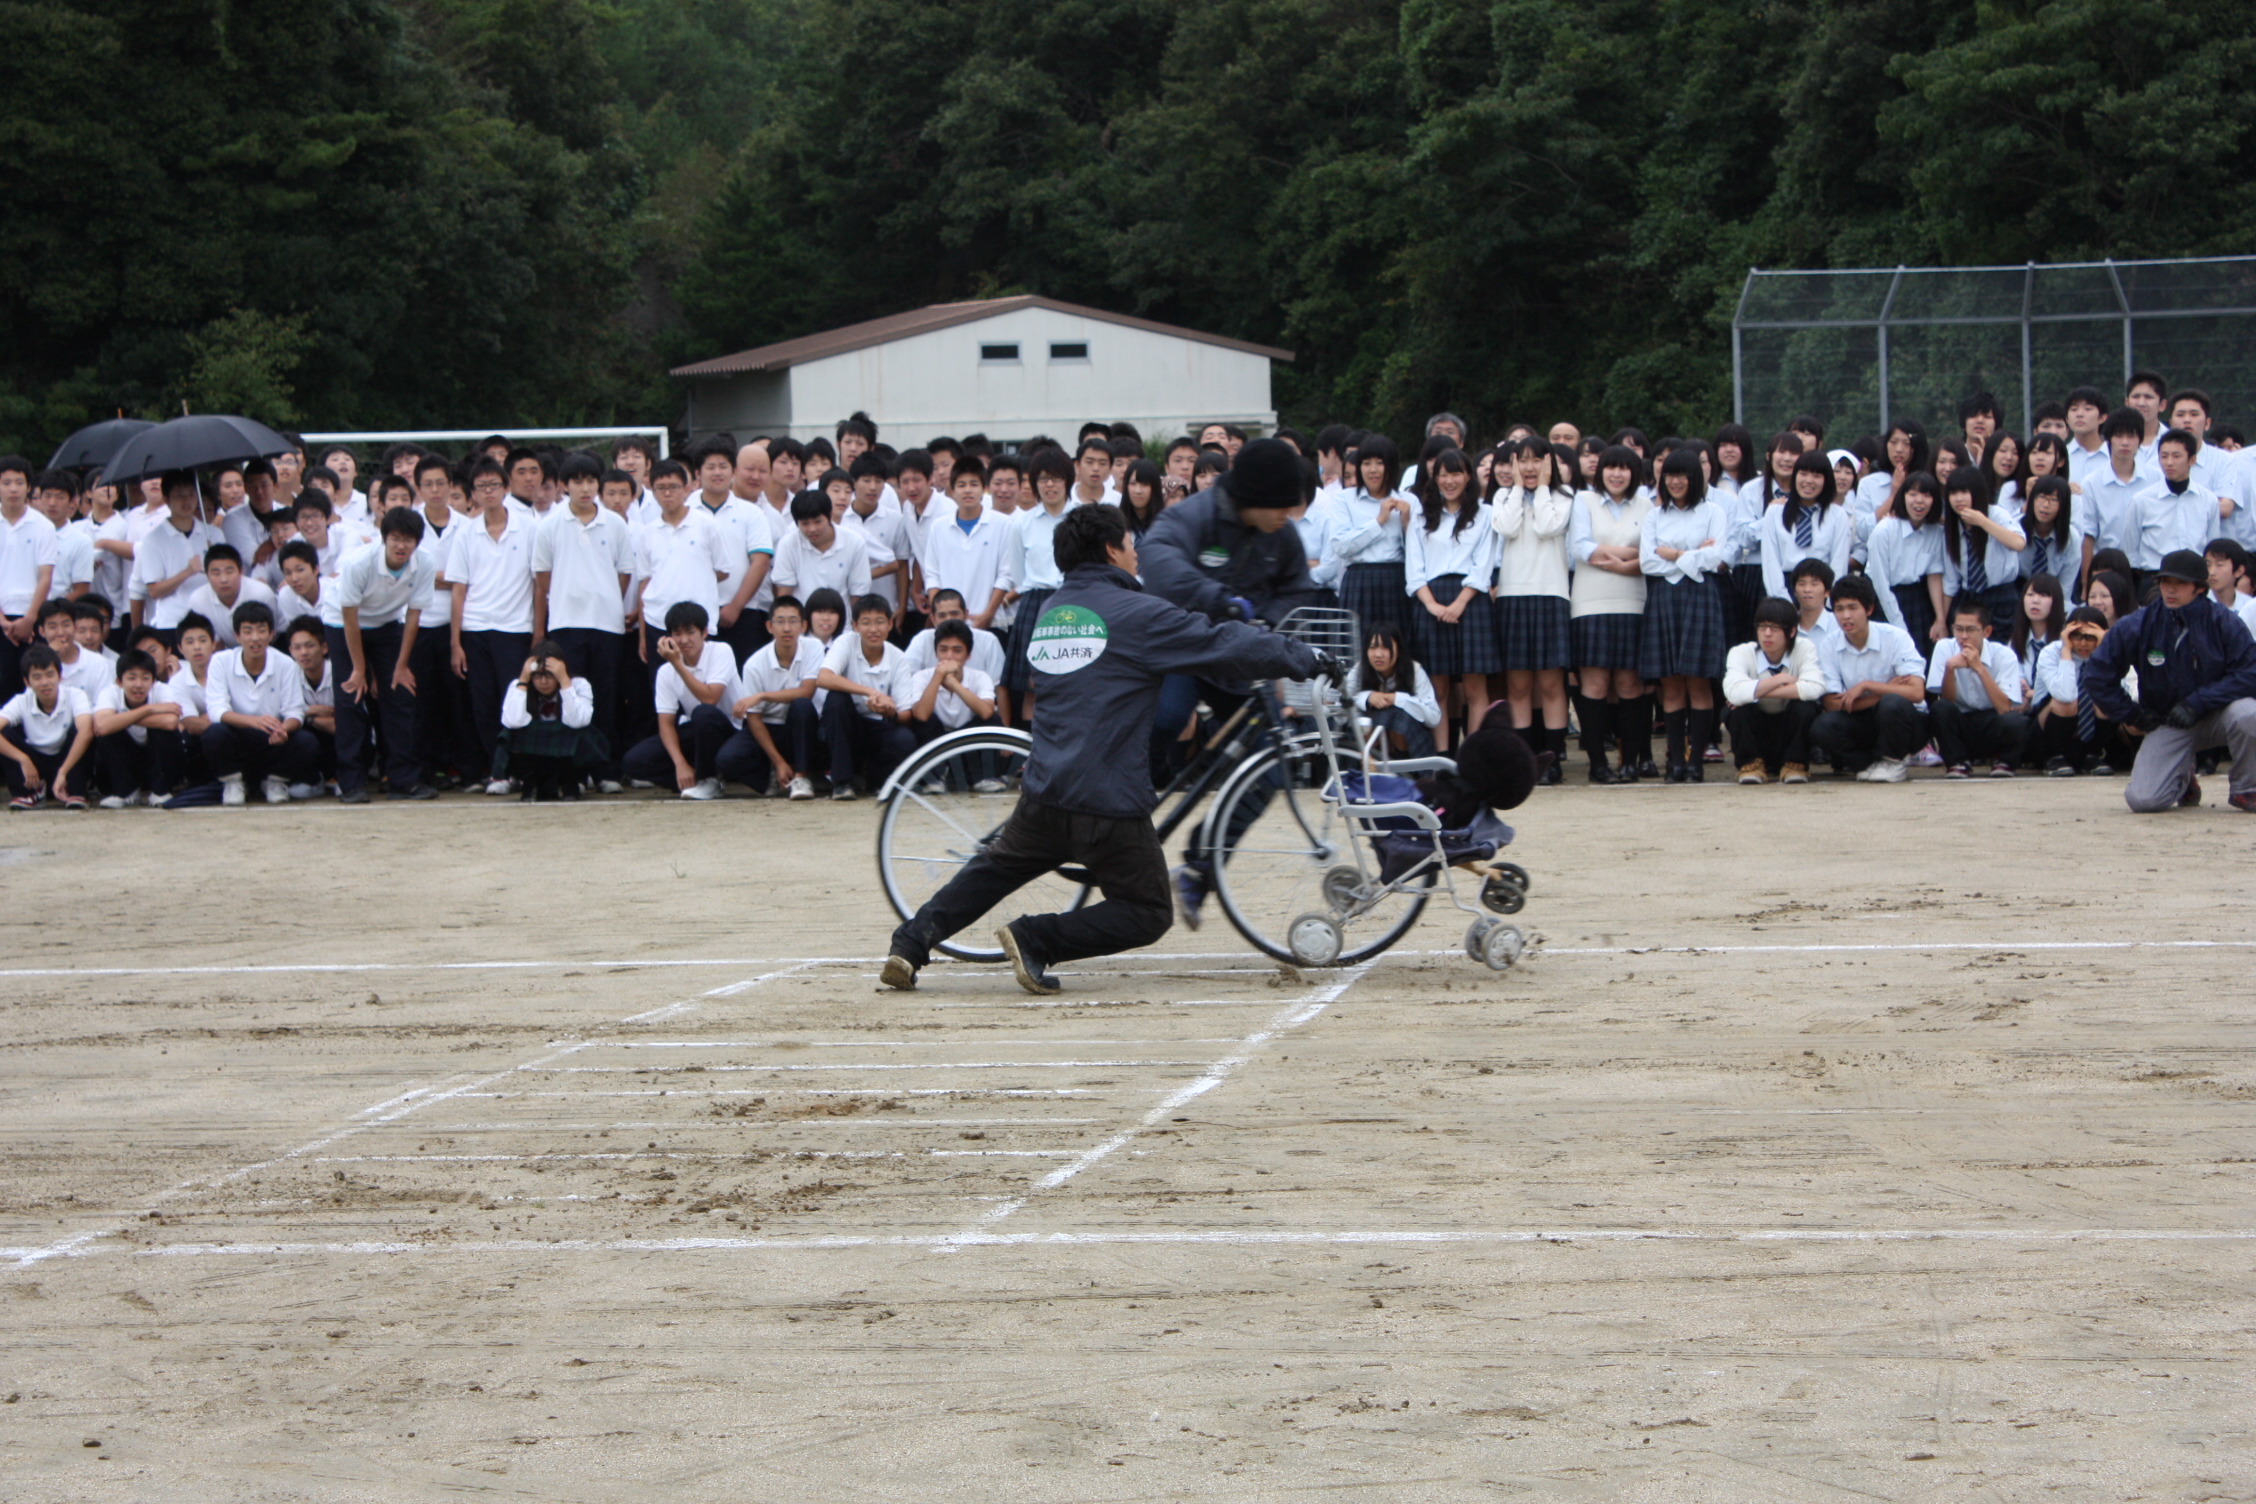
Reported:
(2196, 668)
(1098, 655)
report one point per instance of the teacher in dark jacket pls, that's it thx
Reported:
(1098, 655)
(2196, 668)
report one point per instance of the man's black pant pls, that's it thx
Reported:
(749, 633)
(702, 733)
(1893, 729)
(443, 738)
(1962, 735)
(49, 764)
(11, 666)
(1772, 737)
(238, 749)
(875, 743)
(128, 766)
(594, 655)
(1122, 857)
(492, 661)
(393, 708)
(743, 760)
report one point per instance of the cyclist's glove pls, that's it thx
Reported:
(2182, 715)
(1241, 609)
(1330, 666)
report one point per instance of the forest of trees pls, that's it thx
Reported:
(376, 213)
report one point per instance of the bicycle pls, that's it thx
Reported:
(1303, 846)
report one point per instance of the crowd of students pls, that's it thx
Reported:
(796, 618)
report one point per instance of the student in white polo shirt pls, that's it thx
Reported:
(489, 574)
(225, 587)
(256, 697)
(308, 647)
(747, 545)
(695, 697)
(47, 736)
(84, 669)
(379, 598)
(819, 553)
(679, 556)
(57, 501)
(300, 595)
(331, 538)
(776, 747)
(1975, 695)
(136, 736)
(27, 568)
(583, 569)
(988, 653)
(1875, 689)
(963, 546)
(168, 562)
(861, 717)
(884, 528)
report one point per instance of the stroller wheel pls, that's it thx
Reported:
(1315, 940)
(1514, 873)
(1476, 938)
(1503, 896)
(1503, 946)
(1343, 889)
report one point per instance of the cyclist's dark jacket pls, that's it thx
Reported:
(1198, 555)
(2198, 654)
(1098, 654)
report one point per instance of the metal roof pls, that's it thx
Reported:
(861, 336)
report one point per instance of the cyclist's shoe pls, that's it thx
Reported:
(900, 973)
(1190, 895)
(1032, 974)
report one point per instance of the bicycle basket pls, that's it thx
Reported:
(1328, 630)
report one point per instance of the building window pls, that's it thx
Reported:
(1074, 350)
(998, 355)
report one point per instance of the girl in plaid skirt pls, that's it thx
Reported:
(1529, 517)
(1448, 563)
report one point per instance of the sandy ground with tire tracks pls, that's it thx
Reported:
(1839, 1142)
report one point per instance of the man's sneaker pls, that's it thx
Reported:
(2192, 794)
(277, 790)
(25, 801)
(418, 791)
(898, 974)
(1886, 770)
(2001, 770)
(231, 789)
(1794, 772)
(1959, 770)
(990, 786)
(118, 801)
(73, 803)
(304, 791)
(640, 783)
(353, 796)
(1750, 772)
(1190, 895)
(802, 787)
(611, 786)
(2243, 802)
(497, 785)
(1713, 754)
(704, 788)
(842, 793)
(1927, 757)
(1031, 973)
(2060, 767)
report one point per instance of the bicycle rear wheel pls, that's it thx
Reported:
(1282, 853)
(934, 821)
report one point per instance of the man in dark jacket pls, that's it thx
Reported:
(1231, 553)
(2196, 667)
(1098, 653)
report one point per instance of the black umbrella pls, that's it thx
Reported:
(96, 442)
(193, 443)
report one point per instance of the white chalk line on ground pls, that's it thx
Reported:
(1295, 1013)
(388, 1111)
(1217, 1237)
(1899, 947)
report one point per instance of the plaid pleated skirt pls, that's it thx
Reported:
(1918, 613)
(1016, 675)
(1465, 646)
(1609, 639)
(1532, 631)
(1742, 592)
(1683, 630)
(1374, 593)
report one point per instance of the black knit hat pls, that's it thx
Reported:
(1266, 473)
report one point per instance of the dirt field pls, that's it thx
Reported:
(1838, 1142)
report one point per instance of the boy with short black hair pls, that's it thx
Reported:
(46, 734)
(2229, 579)
(300, 566)
(136, 736)
(1975, 694)
(778, 701)
(819, 553)
(884, 529)
(695, 688)
(224, 588)
(583, 570)
(488, 574)
(90, 620)
(950, 695)
(861, 713)
(1978, 418)
(1875, 689)
(1812, 584)
(1773, 685)
(85, 671)
(963, 550)
(56, 497)
(256, 699)
(167, 562)
(2145, 393)
(308, 647)
(378, 605)
(2180, 513)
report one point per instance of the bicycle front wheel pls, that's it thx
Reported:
(936, 819)
(1283, 852)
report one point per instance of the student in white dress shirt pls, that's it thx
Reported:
(2112, 485)
(1395, 694)
(56, 498)
(167, 563)
(776, 748)
(951, 695)
(2055, 545)
(256, 700)
(1982, 544)
(1875, 690)
(1975, 696)
(694, 696)
(861, 715)
(2177, 513)
(302, 584)
(1807, 523)
(47, 736)
(817, 552)
(224, 588)
(379, 595)
(1449, 555)
(2229, 582)
(963, 547)
(136, 736)
(488, 577)
(884, 530)
(86, 670)
(308, 647)
(1773, 686)
(679, 557)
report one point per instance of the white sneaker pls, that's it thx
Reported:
(304, 791)
(231, 789)
(1886, 770)
(118, 801)
(499, 786)
(143, 798)
(990, 786)
(802, 787)
(612, 786)
(1927, 757)
(276, 790)
(706, 788)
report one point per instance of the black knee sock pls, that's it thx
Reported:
(1702, 734)
(1555, 742)
(1672, 736)
(1597, 725)
(1637, 727)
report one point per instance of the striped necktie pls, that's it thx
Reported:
(1804, 530)
(2087, 717)
(1977, 569)
(2040, 556)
